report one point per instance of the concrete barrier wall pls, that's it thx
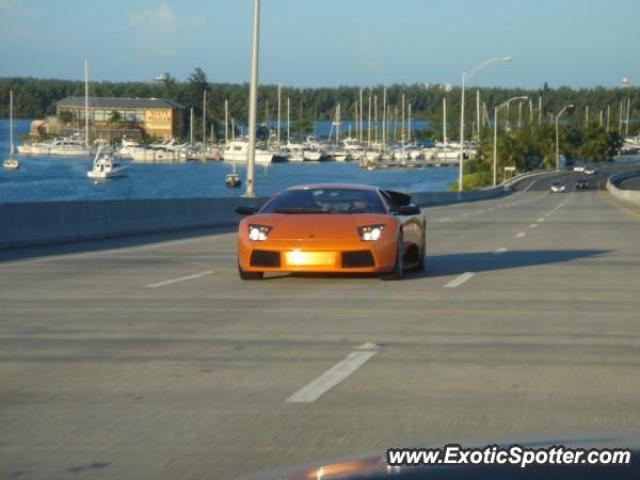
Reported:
(39, 223)
(629, 196)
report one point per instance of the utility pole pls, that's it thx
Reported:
(253, 102)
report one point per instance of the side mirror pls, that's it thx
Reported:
(246, 210)
(408, 210)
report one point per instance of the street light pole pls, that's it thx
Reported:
(495, 135)
(558, 134)
(253, 102)
(468, 74)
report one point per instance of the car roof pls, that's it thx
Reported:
(350, 186)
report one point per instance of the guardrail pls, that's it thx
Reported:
(629, 196)
(40, 223)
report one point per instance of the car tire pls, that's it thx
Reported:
(398, 270)
(244, 275)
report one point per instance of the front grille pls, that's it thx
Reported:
(358, 259)
(264, 258)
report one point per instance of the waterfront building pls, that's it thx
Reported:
(114, 117)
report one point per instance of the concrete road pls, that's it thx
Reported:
(155, 361)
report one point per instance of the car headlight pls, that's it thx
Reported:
(259, 233)
(370, 233)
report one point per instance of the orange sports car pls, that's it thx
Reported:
(332, 228)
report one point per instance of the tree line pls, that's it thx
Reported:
(36, 98)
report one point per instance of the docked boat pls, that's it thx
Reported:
(11, 162)
(238, 151)
(105, 166)
(295, 152)
(69, 147)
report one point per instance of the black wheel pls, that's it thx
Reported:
(249, 275)
(398, 270)
(421, 265)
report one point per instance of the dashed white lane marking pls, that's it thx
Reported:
(500, 250)
(533, 225)
(541, 219)
(520, 234)
(179, 279)
(335, 375)
(459, 280)
(445, 219)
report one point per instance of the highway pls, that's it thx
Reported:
(150, 359)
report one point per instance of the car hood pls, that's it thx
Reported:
(288, 226)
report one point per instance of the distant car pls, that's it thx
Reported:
(334, 228)
(582, 184)
(578, 168)
(590, 171)
(558, 187)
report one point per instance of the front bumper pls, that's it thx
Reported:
(317, 256)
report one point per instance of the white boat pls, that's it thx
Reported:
(238, 151)
(105, 166)
(295, 152)
(127, 147)
(69, 147)
(11, 162)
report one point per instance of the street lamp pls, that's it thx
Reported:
(253, 102)
(558, 134)
(495, 134)
(468, 74)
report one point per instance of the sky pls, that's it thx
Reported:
(312, 43)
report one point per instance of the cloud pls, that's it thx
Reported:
(154, 30)
(162, 18)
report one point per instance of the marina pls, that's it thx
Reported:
(64, 178)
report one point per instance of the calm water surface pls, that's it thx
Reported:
(47, 178)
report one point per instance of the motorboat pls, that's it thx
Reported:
(105, 166)
(238, 151)
(232, 180)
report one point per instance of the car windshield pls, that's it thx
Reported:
(326, 200)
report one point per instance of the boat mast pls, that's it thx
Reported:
(226, 120)
(369, 124)
(444, 121)
(10, 123)
(288, 120)
(409, 124)
(360, 126)
(204, 123)
(384, 118)
(86, 102)
(191, 127)
(279, 101)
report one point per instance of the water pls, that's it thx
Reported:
(46, 178)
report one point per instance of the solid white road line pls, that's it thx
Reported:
(179, 279)
(335, 375)
(500, 250)
(520, 235)
(459, 280)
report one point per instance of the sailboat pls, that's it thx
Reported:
(232, 179)
(11, 162)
